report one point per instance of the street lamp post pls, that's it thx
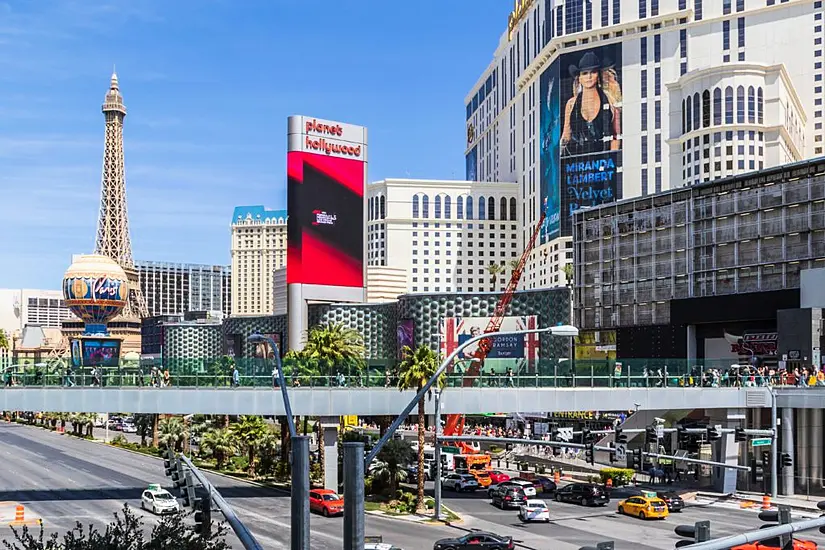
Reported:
(299, 460)
(437, 477)
(188, 419)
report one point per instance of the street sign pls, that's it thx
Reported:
(761, 442)
(621, 451)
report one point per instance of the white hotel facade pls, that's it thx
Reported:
(710, 88)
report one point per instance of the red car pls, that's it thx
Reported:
(326, 501)
(497, 477)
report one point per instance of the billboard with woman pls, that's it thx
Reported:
(582, 133)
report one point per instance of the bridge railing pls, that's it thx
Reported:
(496, 373)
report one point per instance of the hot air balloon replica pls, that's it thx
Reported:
(95, 289)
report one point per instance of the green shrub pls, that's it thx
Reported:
(120, 440)
(620, 476)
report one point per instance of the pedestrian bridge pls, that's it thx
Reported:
(337, 401)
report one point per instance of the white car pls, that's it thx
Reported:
(460, 482)
(129, 428)
(159, 501)
(534, 510)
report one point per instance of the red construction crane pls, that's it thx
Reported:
(455, 422)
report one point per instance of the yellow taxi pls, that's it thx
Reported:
(644, 507)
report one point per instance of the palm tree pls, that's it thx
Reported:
(414, 371)
(4, 340)
(219, 444)
(143, 425)
(173, 433)
(568, 274)
(494, 269)
(395, 454)
(334, 345)
(249, 432)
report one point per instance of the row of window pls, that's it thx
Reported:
(697, 110)
(464, 206)
(377, 208)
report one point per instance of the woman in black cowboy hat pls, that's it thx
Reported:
(592, 118)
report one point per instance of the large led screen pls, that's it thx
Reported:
(325, 230)
(101, 352)
(581, 135)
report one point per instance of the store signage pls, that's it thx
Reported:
(520, 9)
(329, 147)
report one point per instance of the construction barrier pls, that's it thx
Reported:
(19, 513)
(556, 477)
(766, 502)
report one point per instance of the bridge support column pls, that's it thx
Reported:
(726, 450)
(329, 439)
(802, 449)
(815, 419)
(788, 488)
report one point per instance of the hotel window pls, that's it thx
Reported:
(644, 117)
(588, 14)
(654, 7)
(759, 102)
(725, 35)
(642, 9)
(682, 4)
(751, 105)
(683, 51)
(657, 148)
(726, 6)
(697, 10)
(658, 178)
(657, 81)
(644, 181)
(605, 13)
(657, 114)
(697, 111)
(617, 12)
(740, 22)
(717, 106)
(644, 149)
(657, 48)
(559, 21)
(688, 115)
(438, 206)
(425, 206)
(644, 83)
(740, 5)
(415, 206)
(573, 16)
(728, 105)
(740, 104)
(643, 49)
(705, 108)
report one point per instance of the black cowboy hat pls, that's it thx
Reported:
(589, 62)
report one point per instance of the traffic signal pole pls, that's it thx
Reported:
(447, 438)
(774, 447)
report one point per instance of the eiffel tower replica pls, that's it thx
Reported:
(113, 238)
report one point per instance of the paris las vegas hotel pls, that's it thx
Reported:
(708, 89)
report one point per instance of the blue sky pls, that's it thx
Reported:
(208, 87)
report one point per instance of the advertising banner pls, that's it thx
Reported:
(519, 353)
(581, 134)
(406, 335)
(325, 229)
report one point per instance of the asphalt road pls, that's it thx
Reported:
(580, 525)
(64, 480)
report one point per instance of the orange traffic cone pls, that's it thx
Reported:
(19, 513)
(766, 502)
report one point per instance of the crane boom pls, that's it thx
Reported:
(455, 422)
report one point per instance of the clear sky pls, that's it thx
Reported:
(208, 85)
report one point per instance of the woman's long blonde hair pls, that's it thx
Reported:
(609, 82)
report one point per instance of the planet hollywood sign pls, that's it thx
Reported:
(326, 146)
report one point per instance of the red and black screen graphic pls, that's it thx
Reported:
(325, 229)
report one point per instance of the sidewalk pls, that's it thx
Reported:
(754, 500)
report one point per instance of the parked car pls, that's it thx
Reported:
(586, 494)
(497, 477)
(508, 496)
(460, 482)
(673, 500)
(534, 510)
(474, 541)
(544, 484)
(326, 501)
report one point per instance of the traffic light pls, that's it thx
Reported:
(636, 459)
(203, 517)
(620, 438)
(698, 532)
(612, 454)
(178, 479)
(766, 460)
(739, 435)
(589, 453)
(188, 495)
(168, 462)
(651, 437)
(713, 434)
(786, 460)
(554, 434)
(757, 471)
(682, 436)
(586, 435)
